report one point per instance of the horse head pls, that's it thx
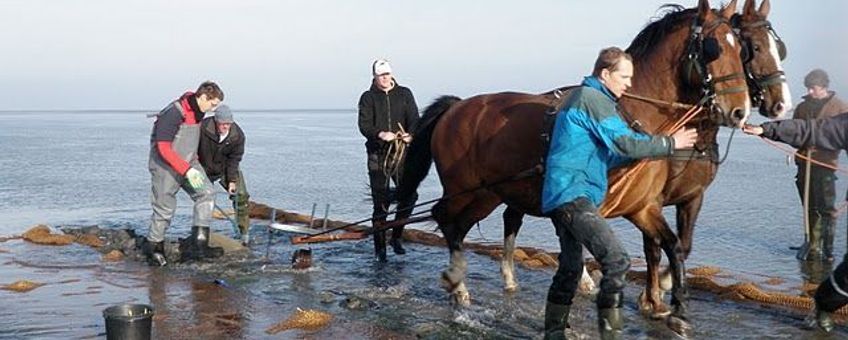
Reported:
(712, 63)
(694, 56)
(762, 54)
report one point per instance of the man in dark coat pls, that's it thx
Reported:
(387, 116)
(824, 134)
(816, 187)
(220, 152)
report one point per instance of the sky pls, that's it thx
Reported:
(316, 54)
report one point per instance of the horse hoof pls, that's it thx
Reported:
(511, 287)
(648, 309)
(462, 299)
(446, 283)
(680, 326)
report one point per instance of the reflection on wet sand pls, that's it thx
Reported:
(344, 294)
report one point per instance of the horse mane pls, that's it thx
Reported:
(669, 17)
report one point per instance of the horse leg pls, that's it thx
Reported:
(651, 299)
(455, 227)
(678, 321)
(512, 223)
(687, 214)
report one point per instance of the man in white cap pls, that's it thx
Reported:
(387, 114)
(220, 152)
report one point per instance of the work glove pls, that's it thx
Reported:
(195, 178)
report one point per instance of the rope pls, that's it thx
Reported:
(393, 163)
(790, 151)
(521, 175)
(628, 175)
(673, 105)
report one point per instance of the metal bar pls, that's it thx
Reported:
(233, 222)
(312, 215)
(326, 214)
(270, 233)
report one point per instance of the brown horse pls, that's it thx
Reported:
(762, 53)
(486, 147)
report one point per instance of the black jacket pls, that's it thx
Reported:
(381, 111)
(828, 133)
(220, 159)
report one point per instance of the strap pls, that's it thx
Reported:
(836, 286)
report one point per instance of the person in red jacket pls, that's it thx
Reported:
(173, 166)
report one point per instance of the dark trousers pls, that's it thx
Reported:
(821, 210)
(822, 191)
(828, 297)
(579, 224)
(380, 194)
(240, 201)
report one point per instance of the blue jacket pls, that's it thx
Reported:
(589, 138)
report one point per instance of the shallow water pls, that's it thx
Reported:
(90, 168)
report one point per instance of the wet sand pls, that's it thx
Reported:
(397, 300)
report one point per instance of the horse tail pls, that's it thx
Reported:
(419, 157)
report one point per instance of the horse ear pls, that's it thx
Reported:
(703, 9)
(729, 10)
(765, 7)
(750, 7)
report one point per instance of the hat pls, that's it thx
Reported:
(816, 77)
(223, 114)
(380, 66)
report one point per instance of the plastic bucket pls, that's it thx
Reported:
(128, 322)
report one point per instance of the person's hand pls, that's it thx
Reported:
(387, 136)
(195, 178)
(231, 188)
(407, 138)
(752, 129)
(684, 138)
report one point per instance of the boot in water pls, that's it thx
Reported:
(556, 321)
(155, 253)
(610, 323)
(196, 247)
(397, 241)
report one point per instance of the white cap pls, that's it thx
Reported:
(380, 66)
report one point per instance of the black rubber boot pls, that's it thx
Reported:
(379, 241)
(155, 252)
(610, 321)
(819, 319)
(243, 217)
(828, 225)
(196, 247)
(397, 241)
(209, 252)
(813, 249)
(556, 321)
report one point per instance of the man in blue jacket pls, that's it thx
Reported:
(589, 138)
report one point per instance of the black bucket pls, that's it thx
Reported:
(128, 322)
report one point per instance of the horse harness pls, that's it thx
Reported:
(757, 84)
(700, 51)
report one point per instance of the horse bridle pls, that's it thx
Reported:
(700, 51)
(758, 84)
